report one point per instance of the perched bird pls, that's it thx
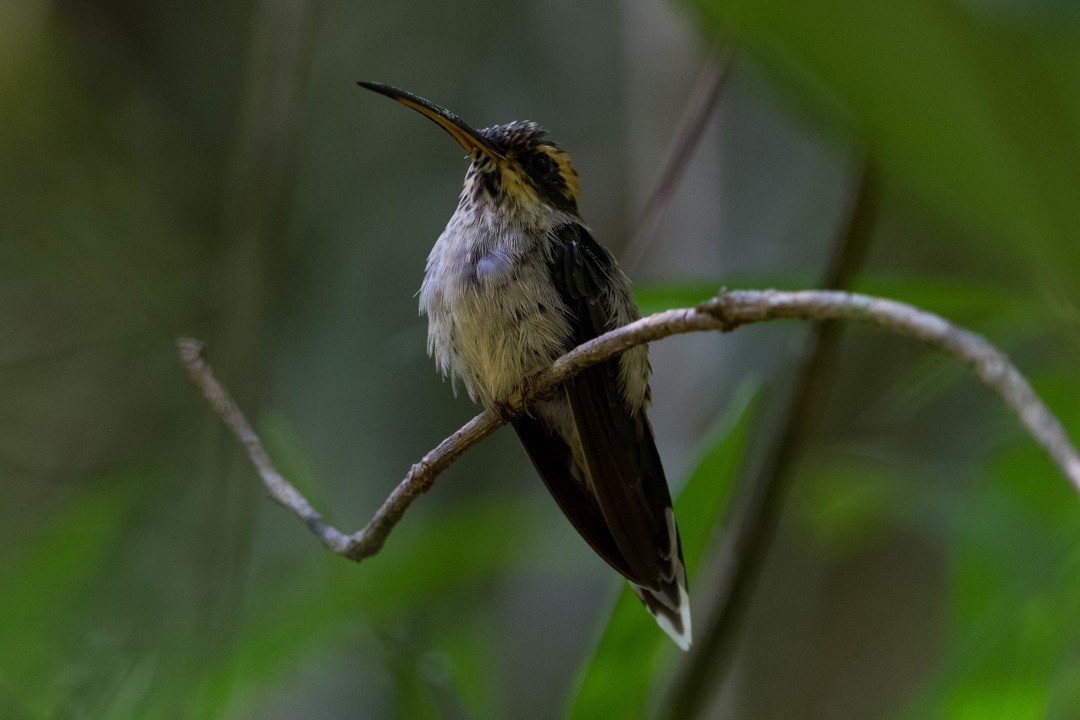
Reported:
(514, 282)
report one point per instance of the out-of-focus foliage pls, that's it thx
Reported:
(926, 564)
(973, 110)
(973, 107)
(42, 588)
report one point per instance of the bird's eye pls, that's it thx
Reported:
(541, 164)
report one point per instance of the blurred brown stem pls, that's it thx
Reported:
(725, 312)
(746, 543)
(703, 99)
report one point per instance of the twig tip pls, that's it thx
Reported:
(191, 350)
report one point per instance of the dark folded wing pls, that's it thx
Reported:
(554, 461)
(627, 479)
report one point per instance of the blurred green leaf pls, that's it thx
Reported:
(963, 300)
(436, 555)
(617, 680)
(654, 297)
(975, 113)
(1006, 317)
(1013, 647)
(844, 504)
(42, 585)
(471, 665)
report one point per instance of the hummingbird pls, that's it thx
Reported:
(514, 282)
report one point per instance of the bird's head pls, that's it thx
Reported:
(513, 165)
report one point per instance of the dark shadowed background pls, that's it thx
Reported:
(211, 169)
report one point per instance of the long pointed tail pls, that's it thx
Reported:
(670, 606)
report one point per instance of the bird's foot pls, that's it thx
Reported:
(509, 409)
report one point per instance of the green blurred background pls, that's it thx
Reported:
(211, 169)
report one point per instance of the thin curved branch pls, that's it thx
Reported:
(725, 312)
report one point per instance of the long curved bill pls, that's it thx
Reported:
(465, 134)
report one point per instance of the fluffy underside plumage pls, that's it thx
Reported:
(492, 323)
